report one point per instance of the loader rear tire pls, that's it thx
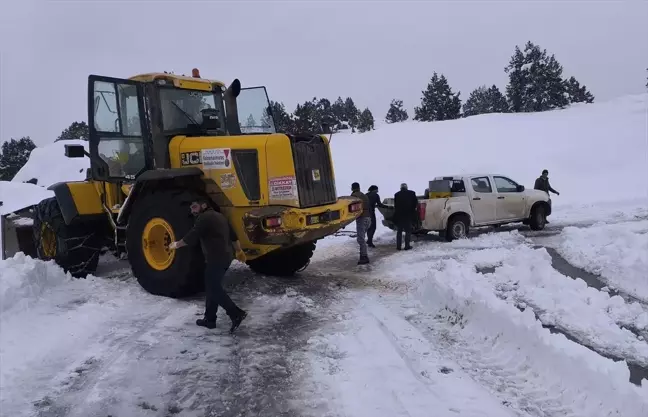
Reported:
(75, 247)
(158, 219)
(284, 262)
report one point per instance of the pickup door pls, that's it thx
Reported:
(511, 204)
(483, 200)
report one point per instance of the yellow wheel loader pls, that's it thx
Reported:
(157, 142)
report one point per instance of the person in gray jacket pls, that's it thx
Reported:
(362, 223)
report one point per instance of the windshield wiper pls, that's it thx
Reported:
(187, 115)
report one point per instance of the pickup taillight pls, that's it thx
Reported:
(421, 211)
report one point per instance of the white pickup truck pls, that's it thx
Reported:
(455, 203)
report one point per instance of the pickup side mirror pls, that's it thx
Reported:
(520, 188)
(75, 151)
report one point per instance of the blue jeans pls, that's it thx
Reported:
(215, 295)
(362, 224)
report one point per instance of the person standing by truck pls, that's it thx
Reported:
(542, 184)
(217, 240)
(374, 201)
(405, 212)
(362, 223)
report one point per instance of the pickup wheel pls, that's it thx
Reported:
(458, 227)
(538, 218)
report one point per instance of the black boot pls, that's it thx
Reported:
(370, 244)
(364, 260)
(236, 320)
(206, 323)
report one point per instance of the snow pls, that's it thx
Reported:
(487, 326)
(580, 146)
(23, 279)
(16, 196)
(49, 165)
(498, 342)
(618, 253)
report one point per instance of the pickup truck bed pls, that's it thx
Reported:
(388, 213)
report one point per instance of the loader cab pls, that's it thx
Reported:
(132, 120)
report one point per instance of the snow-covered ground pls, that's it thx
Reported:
(507, 323)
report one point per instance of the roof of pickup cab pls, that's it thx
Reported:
(462, 176)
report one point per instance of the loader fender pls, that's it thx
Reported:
(149, 181)
(77, 200)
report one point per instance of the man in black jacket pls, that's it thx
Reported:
(217, 240)
(374, 201)
(405, 212)
(542, 184)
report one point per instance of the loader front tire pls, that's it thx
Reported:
(158, 219)
(75, 247)
(284, 262)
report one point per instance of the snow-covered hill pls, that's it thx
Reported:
(594, 152)
(513, 323)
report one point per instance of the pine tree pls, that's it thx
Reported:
(14, 155)
(266, 121)
(324, 114)
(351, 113)
(77, 130)
(577, 93)
(396, 112)
(338, 112)
(485, 100)
(365, 121)
(283, 121)
(535, 81)
(250, 123)
(438, 101)
(305, 115)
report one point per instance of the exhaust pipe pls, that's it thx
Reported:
(232, 92)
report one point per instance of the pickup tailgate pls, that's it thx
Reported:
(388, 213)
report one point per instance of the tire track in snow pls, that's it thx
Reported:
(638, 371)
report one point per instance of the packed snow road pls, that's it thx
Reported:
(498, 325)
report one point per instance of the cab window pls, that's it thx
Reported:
(182, 109)
(118, 125)
(505, 185)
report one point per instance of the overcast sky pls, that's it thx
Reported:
(372, 51)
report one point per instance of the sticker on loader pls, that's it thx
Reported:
(216, 158)
(190, 158)
(227, 181)
(283, 188)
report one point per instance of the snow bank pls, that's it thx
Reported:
(16, 196)
(503, 343)
(22, 279)
(504, 347)
(580, 146)
(49, 165)
(619, 253)
(526, 277)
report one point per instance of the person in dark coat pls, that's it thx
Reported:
(405, 212)
(374, 201)
(220, 246)
(542, 184)
(362, 223)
